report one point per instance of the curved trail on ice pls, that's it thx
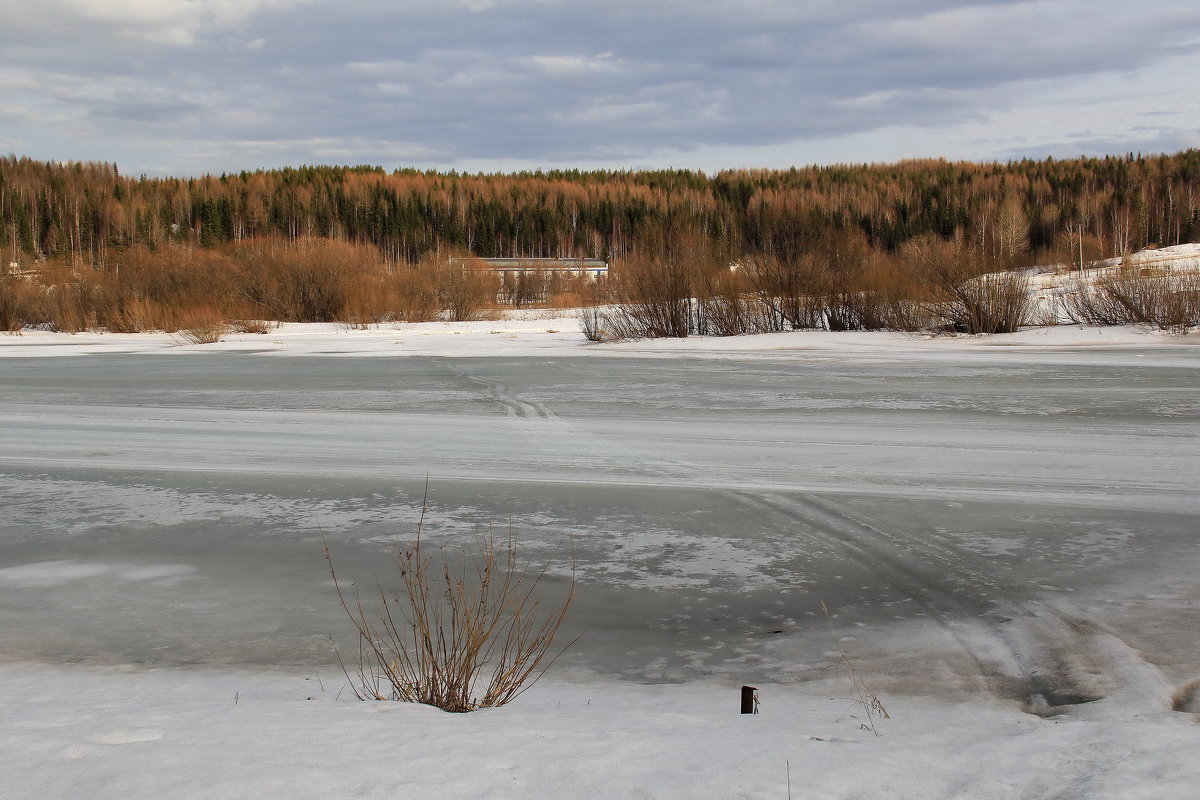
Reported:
(1026, 647)
(500, 394)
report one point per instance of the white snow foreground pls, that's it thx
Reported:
(71, 732)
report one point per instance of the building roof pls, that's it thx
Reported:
(542, 263)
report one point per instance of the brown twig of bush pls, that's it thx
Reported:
(457, 638)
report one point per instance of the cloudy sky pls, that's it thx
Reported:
(190, 86)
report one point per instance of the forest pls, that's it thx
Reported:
(361, 244)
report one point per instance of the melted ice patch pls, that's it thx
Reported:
(77, 507)
(666, 559)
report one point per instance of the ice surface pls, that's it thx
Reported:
(978, 519)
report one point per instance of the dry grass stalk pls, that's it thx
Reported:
(860, 693)
(458, 639)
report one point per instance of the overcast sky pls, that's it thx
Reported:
(190, 86)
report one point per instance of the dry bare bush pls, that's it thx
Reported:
(655, 299)
(726, 308)
(137, 289)
(592, 311)
(63, 298)
(305, 280)
(466, 289)
(70, 304)
(1181, 302)
(789, 290)
(543, 288)
(839, 284)
(412, 290)
(1085, 303)
(564, 290)
(18, 303)
(668, 288)
(523, 287)
(457, 638)
(140, 289)
(961, 291)
(252, 325)
(202, 326)
(367, 301)
(900, 299)
(1044, 311)
(416, 299)
(591, 323)
(994, 303)
(1168, 301)
(849, 301)
(136, 314)
(207, 334)
(860, 309)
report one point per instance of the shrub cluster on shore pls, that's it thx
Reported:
(682, 289)
(180, 287)
(920, 245)
(931, 285)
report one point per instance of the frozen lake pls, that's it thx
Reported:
(1014, 521)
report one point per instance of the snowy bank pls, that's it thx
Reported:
(74, 732)
(557, 334)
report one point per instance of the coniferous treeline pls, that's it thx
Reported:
(79, 213)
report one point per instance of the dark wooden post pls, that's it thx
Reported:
(749, 700)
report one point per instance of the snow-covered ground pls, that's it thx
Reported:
(1051, 286)
(548, 334)
(1167, 259)
(74, 732)
(997, 524)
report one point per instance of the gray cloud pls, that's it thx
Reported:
(233, 84)
(133, 108)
